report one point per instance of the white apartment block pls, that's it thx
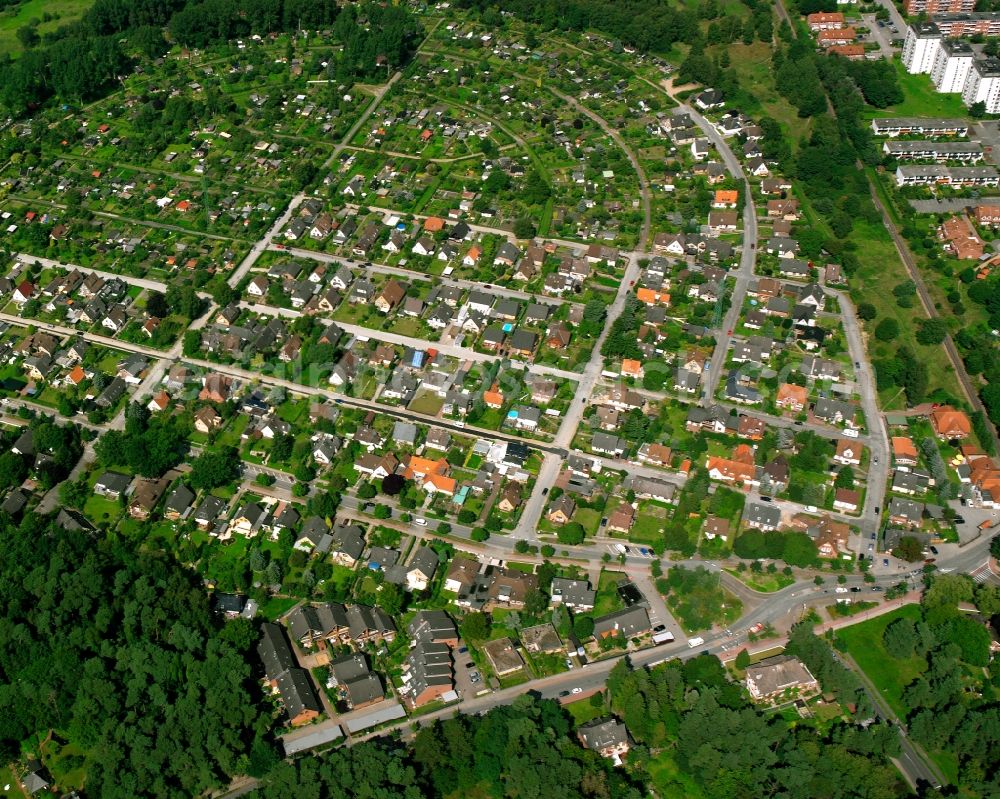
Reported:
(920, 48)
(983, 85)
(947, 176)
(952, 66)
(919, 126)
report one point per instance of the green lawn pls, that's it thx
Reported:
(589, 518)
(763, 582)
(882, 270)
(890, 676)
(921, 100)
(650, 523)
(275, 606)
(61, 12)
(582, 711)
(608, 600)
(100, 510)
(428, 403)
(669, 780)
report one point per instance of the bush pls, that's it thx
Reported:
(480, 534)
(887, 329)
(583, 627)
(571, 534)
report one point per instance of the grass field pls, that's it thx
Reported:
(60, 11)
(890, 676)
(752, 65)
(608, 600)
(921, 100)
(881, 271)
(669, 780)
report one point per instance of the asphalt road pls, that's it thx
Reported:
(748, 256)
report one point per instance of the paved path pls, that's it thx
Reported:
(748, 256)
(453, 350)
(913, 761)
(50, 263)
(412, 274)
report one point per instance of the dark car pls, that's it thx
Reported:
(855, 589)
(934, 550)
(659, 628)
(545, 491)
(765, 499)
(877, 588)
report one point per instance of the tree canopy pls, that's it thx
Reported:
(132, 666)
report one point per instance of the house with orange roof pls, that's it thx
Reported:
(985, 476)
(792, 397)
(159, 402)
(904, 451)
(183, 206)
(950, 423)
(825, 20)
(494, 397)
(431, 474)
(76, 375)
(829, 38)
(651, 297)
(632, 368)
(852, 52)
(744, 454)
(961, 239)
(472, 256)
(730, 471)
(425, 134)
(440, 484)
(433, 224)
(725, 198)
(849, 452)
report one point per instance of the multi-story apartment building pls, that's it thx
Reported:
(952, 65)
(914, 7)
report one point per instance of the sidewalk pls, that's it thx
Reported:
(911, 598)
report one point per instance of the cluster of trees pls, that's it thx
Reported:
(696, 597)
(118, 650)
(62, 446)
(639, 23)
(795, 549)
(76, 69)
(833, 675)
(520, 750)
(84, 60)
(696, 719)
(695, 714)
(148, 445)
(621, 341)
(952, 707)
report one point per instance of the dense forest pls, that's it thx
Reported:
(953, 702)
(82, 61)
(117, 653)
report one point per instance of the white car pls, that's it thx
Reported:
(577, 690)
(420, 522)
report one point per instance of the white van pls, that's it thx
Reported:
(421, 522)
(693, 642)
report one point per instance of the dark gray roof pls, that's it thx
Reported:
(431, 625)
(762, 514)
(630, 621)
(180, 499)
